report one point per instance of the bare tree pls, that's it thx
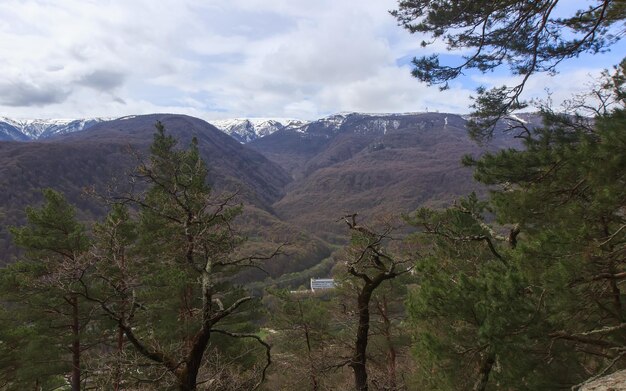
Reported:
(371, 264)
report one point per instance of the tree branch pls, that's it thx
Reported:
(221, 314)
(267, 347)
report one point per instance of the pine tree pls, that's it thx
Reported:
(165, 279)
(537, 287)
(113, 276)
(44, 285)
(302, 333)
(569, 201)
(477, 319)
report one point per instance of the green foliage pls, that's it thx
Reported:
(40, 293)
(546, 300)
(299, 317)
(152, 281)
(178, 206)
(31, 352)
(471, 302)
(52, 228)
(571, 204)
(528, 37)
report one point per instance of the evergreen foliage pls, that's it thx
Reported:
(302, 335)
(51, 324)
(168, 288)
(542, 305)
(153, 280)
(527, 36)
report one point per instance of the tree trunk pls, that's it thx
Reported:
(617, 294)
(360, 345)
(118, 364)
(188, 376)
(120, 330)
(75, 344)
(313, 375)
(187, 379)
(391, 351)
(485, 370)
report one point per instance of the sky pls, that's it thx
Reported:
(217, 59)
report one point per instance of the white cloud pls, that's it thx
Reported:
(223, 58)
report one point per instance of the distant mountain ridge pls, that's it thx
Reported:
(243, 130)
(246, 130)
(36, 129)
(101, 156)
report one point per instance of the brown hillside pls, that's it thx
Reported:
(97, 156)
(371, 164)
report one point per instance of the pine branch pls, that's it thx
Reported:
(267, 347)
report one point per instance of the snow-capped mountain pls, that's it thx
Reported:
(36, 129)
(241, 129)
(248, 129)
(375, 123)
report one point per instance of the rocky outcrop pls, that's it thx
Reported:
(613, 382)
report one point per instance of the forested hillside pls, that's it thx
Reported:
(375, 164)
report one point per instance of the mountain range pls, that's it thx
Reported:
(246, 130)
(243, 130)
(35, 129)
(295, 178)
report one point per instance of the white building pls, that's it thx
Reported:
(322, 283)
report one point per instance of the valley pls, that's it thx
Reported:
(295, 180)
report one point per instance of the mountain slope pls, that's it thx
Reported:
(233, 166)
(93, 157)
(376, 165)
(296, 181)
(9, 132)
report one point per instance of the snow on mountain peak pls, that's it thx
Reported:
(248, 129)
(34, 129)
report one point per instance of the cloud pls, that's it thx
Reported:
(21, 93)
(223, 58)
(102, 80)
